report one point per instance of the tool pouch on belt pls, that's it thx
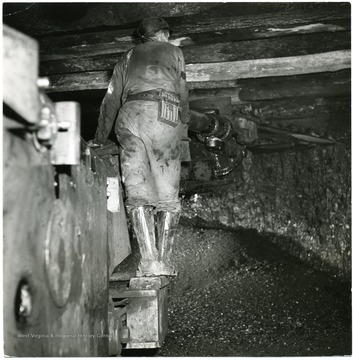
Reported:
(168, 104)
(168, 109)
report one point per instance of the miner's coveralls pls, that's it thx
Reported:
(150, 157)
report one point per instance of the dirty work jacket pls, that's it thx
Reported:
(150, 149)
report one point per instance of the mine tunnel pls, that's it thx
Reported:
(263, 244)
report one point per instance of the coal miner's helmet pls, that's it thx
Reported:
(149, 26)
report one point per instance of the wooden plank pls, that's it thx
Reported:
(80, 81)
(103, 62)
(115, 42)
(294, 65)
(267, 48)
(229, 51)
(212, 85)
(43, 18)
(272, 21)
(242, 92)
(248, 90)
(106, 43)
(267, 23)
(94, 80)
(320, 84)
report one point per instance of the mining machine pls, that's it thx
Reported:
(65, 228)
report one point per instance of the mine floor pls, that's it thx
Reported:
(267, 304)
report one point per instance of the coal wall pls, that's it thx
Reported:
(300, 200)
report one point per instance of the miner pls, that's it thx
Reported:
(147, 96)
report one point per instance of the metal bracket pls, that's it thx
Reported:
(113, 204)
(66, 147)
(146, 312)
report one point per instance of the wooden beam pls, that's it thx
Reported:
(79, 81)
(117, 45)
(44, 18)
(293, 65)
(229, 51)
(282, 46)
(105, 62)
(192, 30)
(248, 90)
(245, 91)
(275, 22)
(212, 85)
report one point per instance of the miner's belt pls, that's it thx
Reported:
(168, 105)
(156, 95)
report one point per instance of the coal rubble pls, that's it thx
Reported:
(238, 294)
(263, 303)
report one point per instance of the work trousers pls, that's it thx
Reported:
(150, 156)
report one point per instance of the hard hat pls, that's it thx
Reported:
(150, 26)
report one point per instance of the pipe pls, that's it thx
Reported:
(199, 122)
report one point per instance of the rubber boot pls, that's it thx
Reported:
(142, 219)
(167, 223)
